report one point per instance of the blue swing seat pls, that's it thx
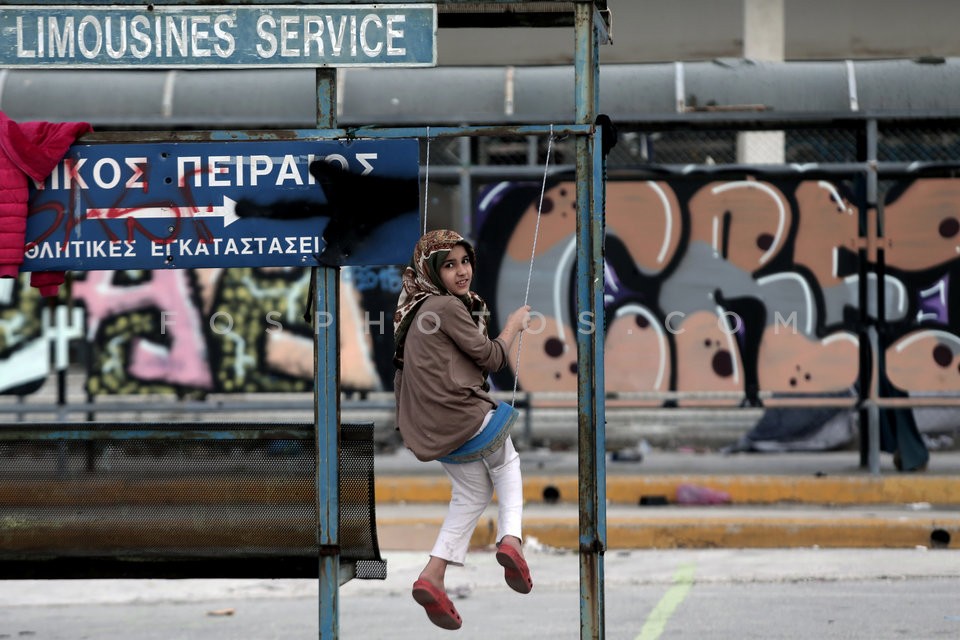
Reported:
(487, 441)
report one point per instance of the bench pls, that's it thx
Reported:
(179, 500)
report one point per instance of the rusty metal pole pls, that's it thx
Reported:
(326, 394)
(590, 385)
(877, 355)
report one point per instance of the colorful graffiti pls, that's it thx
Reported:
(758, 284)
(194, 332)
(24, 353)
(711, 287)
(726, 290)
(737, 286)
(921, 253)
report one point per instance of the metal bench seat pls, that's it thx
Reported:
(179, 500)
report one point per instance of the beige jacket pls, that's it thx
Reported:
(440, 398)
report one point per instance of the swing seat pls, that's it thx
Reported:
(487, 441)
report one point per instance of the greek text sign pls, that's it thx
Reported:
(162, 36)
(226, 204)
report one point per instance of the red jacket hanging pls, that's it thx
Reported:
(28, 150)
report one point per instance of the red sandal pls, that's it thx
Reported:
(437, 605)
(515, 569)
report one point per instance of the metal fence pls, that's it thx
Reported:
(869, 163)
(870, 159)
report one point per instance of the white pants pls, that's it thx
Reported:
(473, 484)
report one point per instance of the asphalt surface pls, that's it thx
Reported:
(648, 594)
(778, 545)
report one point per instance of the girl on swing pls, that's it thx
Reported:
(444, 411)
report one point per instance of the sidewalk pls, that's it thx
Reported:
(829, 594)
(818, 499)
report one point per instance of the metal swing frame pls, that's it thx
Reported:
(590, 21)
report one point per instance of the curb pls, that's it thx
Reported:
(766, 511)
(700, 530)
(743, 489)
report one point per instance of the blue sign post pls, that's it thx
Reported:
(159, 36)
(226, 204)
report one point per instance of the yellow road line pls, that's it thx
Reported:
(657, 620)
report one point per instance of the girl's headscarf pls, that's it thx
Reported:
(421, 279)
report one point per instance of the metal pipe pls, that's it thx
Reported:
(590, 388)
(326, 392)
(262, 406)
(873, 413)
(332, 133)
(465, 175)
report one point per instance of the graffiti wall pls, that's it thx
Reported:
(920, 254)
(193, 332)
(710, 286)
(736, 286)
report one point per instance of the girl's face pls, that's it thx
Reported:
(456, 272)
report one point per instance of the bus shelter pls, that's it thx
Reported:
(323, 198)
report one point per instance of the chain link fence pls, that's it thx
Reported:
(459, 168)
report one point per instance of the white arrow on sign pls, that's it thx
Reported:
(228, 212)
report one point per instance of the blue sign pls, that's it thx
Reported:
(226, 204)
(160, 36)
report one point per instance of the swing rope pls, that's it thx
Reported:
(533, 250)
(533, 253)
(426, 183)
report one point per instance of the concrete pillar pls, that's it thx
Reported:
(763, 30)
(763, 40)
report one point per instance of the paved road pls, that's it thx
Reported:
(702, 594)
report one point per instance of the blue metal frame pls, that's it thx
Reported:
(325, 284)
(327, 396)
(589, 31)
(590, 327)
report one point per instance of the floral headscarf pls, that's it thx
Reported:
(421, 279)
